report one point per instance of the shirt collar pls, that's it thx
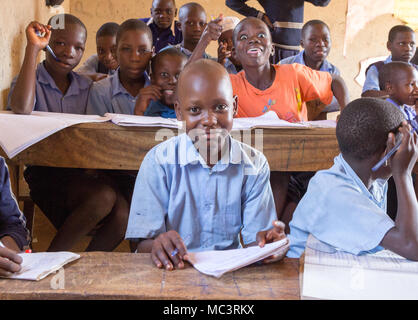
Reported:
(118, 88)
(77, 82)
(189, 155)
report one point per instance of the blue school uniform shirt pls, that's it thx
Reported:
(12, 220)
(339, 210)
(109, 96)
(326, 67)
(208, 207)
(372, 77)
(158, 109)
(49, 98)
(408, 112)
(163, 38)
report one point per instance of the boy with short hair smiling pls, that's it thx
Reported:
(402, 46)
(163, 13)
(157, 100)
(202, 189)
(118, 93)
(345, 206)
(104, 63)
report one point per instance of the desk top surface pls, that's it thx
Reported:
(103, 275)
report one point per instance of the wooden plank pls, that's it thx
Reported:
(101, 275)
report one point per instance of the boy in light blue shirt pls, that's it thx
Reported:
(119, 93)
(202, 189)
(345, 206)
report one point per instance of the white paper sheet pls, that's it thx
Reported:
(36, 266)
(217, 262)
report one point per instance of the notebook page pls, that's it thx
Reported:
(36, 266)
(142, 121)
(267, 120)
(382, 260)
(217, 262)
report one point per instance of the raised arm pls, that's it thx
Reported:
(403, 237)
(23, 94)
(241, 7)
(319, 3)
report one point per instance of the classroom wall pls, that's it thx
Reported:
(15, 15)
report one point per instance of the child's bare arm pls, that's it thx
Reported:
(403, 238)
(340, 90)
(211, 33)
(23, 95)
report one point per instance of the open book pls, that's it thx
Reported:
(217, 262)
(334, 274)
(18, 132)
(36, 266)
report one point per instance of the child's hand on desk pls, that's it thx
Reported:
(9, 262)
(272, 235)
(163, 251)
(152, 92)
(33, 39)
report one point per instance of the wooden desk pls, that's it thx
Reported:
(100, 275)
(108, 146)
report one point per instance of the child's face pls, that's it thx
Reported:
(133, 53)
(192, 25)
(316, 42)
(106, 50)
(163, 13)
(253, 45)
(206, 104)
(403, 89)
(226, 39)
(403, 46)
(165, 75)
(68, 45)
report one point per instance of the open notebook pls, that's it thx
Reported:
(217, 262)
(335, 274)
(36, 266)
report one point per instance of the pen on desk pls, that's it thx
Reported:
(48, 47)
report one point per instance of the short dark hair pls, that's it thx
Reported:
(364, 125)
(312, 23)
(188, 6)
(153, 1)
(68, 19)
(170, 51)
(389, 71)
(396, 29)
(108, 29)
(133, 24)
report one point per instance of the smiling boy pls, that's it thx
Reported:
(201, 189)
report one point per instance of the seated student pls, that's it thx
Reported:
(13, 232)
(104, 63)
(192, 23)
(73, 200)
(401, 44)
(399, 80)
(316, 42)
(163, 13)
(226, 45)
(157, 100)
(345, 206)
(202, 189)
(118, 93)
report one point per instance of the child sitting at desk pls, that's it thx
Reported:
(13, 233)
(401, 44)
(158, 99)
(202, 189)
(118, 93)
(163, 13)
(345, 206)
(316, 44)
(72, 199)
(399, 80)
(104, 63)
